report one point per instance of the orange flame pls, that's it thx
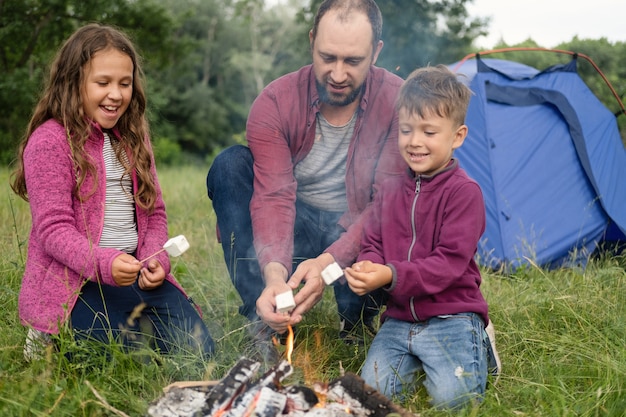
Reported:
(289, 343)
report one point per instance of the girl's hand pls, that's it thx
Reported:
(125, 269)
(152, 276)
(364, 277)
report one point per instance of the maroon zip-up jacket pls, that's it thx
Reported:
(427, 228)
(281, 132)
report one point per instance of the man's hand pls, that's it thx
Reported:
(124, 269)
(364, 277)
(309, 272)
(275, 276)
(152, 276)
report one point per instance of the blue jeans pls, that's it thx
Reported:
(229, 186)
(168, 321)
(450, 351)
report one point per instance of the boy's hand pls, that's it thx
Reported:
(124, 269)
(365, 276)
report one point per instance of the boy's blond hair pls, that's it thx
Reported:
(435, 90)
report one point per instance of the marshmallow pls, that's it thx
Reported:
(285, 302)
(176, 245)
(332, 273)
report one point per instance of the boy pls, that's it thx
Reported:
(419, 246)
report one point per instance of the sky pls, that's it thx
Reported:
(547, 22)
(550, 22)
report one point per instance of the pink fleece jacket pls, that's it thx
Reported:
(63, 249)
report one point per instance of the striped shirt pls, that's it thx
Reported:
(120, 228)
(321, 175)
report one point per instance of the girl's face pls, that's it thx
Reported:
(108, 87)
(427, 144)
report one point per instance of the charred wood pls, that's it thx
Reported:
(234, 383)
(362, 399)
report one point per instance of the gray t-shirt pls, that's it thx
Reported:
(321, 174)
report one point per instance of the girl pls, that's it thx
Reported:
(86, 167)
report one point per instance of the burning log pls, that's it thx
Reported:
(267, 403)
(178, 402)
(238, 394)
(352, 391)
(192, 402)
(262, 397)
(225, 392)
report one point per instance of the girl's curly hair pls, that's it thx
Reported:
(61, 100)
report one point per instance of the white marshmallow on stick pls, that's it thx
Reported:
(332, 273)
(175, 246)
(285, 302)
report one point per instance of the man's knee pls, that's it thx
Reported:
(230, 164)
(232, 158)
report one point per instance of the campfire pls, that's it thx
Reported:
(242, 393)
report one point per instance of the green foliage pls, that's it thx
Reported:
(433, 33)
(206, 61)
(18, 93)
(560, 333)
(166, 151)
(31, 32)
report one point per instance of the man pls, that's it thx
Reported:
(321, 140)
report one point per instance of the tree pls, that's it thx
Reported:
(31, 32)
(417, 33)
(225, 53)
(207, 60)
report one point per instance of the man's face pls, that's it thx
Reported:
(342, 56)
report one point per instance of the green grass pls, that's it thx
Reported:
(561, 334)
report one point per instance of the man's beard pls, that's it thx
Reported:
(337, 100)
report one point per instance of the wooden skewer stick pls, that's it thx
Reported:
(175, 246)
(154, 254)
(190, 384)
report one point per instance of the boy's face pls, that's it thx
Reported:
(427, 144)
(108, 87)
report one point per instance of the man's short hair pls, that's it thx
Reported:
(346, 7)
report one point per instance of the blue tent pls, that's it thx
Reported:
(550, 161)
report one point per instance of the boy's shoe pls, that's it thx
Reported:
(36, 344)
(493, 359)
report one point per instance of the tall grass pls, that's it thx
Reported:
(561, 334)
